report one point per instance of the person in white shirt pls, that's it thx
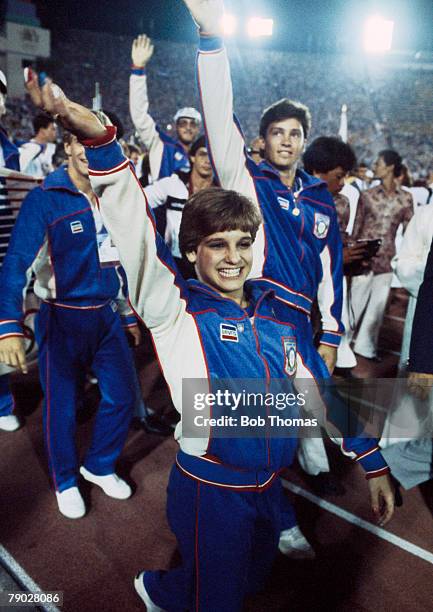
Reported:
(36, 156)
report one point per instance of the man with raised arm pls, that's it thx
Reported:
(166, 154)
(298, 252)
(171, 194)
(224, 494)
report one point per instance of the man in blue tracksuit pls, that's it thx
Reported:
(166, 154)
(224, 494)
(9, 158)
(298, 251)
(59, 235)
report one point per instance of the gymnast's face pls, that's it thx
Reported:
(223, 261)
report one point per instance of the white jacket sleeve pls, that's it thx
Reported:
(226, 145)
(143, 122)
(412, 256)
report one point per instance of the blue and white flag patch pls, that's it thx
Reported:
(289, 345)
(285, 204)
(228, 333)
(76, 227)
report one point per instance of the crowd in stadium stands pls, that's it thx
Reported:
(381, 104)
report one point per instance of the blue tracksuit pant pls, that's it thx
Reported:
(7, 403)
(227, 539)
(71, 341)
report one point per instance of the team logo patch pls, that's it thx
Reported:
(285, 204)
(228, 333)
(289, 345)
(321, 225)
(178, 156)
(76, 227)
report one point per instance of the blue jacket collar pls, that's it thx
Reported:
(302, 179)
(256, 293)
(60, 179)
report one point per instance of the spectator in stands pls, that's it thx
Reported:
(165, 154)
(9, 158)
(381, 211)
(36, 156)
(172, 193)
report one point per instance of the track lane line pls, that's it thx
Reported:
(20, 576)
(415, 550)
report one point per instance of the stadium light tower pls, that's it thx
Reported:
(378, 34)
(229, 24)
(257, 27)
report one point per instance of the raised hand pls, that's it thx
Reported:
(50, 97)
(142, 51)
(207, 14)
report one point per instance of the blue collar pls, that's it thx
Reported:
(302, 179)
(60, 179)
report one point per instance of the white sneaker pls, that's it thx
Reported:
(141, 590)
(9, 423)
(111, 484)
(70, 503)
(294, 545)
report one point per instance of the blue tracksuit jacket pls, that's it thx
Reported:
(298, 251)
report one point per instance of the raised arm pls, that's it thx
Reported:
(141, 53)
(226, 143)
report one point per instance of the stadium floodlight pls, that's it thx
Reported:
(378, 34)
(257, 26)
(229, 24)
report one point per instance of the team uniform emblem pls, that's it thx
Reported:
(289, 345)
(76, 227)
(228, 333)
(321, 225)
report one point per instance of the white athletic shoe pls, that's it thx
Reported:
(141, 590)
(111, 484)
(70, 503)
(9, 423)
(294, 545)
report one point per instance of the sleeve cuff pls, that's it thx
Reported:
(209, 42)
(105, 157)
(373, 463)
(10, 328)
(138, 70)
(331, 338)
(129, 320)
